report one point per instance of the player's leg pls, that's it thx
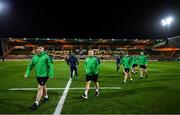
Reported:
(41, 85)
(45, 93)
(38, 98)
(40, 93)
(96, 84)
(97, 88)
(141, 72)
(85, 96)
(135, 69)
(75, 69)
(71, 69)
(129, 75)
(145, 71)
(123, 71)
(88, 82)
(117, 67)
(125, 75)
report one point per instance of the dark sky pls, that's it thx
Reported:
(89, 18)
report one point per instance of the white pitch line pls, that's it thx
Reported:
(62, 99)
(29, 89)
(75, 88)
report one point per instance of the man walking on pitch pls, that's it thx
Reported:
(134, 64)
(91, 67)
(118, 60)
(143, 65)
(43, 69)
(73, 62)
(127, 63)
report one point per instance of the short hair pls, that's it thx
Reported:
(90, 50)
(41, 46)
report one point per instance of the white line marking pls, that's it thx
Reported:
(75, 88)
(62, 99)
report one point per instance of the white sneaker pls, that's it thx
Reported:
(84, 96)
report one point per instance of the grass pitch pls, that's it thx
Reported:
(157, 94)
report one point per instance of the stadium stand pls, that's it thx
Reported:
(156, 49)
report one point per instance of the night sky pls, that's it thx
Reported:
(89, 18)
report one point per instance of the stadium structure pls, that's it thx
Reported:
(156, 48)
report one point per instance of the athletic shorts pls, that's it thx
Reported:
(127, 70)
(134, 65)
(143, 66)
(92, 78)
(42, 80)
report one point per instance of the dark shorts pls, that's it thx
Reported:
(127, 70)
(134, 65)
(42, 80)
(73, 68)
(143, 66)
(92, 78)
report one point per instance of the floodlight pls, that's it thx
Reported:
(167, 21)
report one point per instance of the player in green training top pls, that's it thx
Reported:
(143, 65)
(127, 64)
(43, 69)
(134, 64)
(91, 67)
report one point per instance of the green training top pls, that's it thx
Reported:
(91, 65)
(43, 66)
(126, 61)
(134, 60)
(143, 60)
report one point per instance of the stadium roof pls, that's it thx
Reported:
(76, 41)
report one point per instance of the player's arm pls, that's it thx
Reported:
(51, 68)
(29, 68)
(146, 61)
(97, 66)
(67, 61)
(77, 61)
(99, 61)
(122, 61)
(85, 64)
(131, 61)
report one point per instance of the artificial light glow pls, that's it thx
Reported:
(4, 6)
(167, 21)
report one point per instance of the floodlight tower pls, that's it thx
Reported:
(166, 22)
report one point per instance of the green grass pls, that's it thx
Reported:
(158, 94)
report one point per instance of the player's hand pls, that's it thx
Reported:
(25, 76)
